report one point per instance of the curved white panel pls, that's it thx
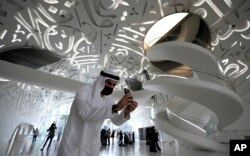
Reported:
(34, 77)
(185, 108)
(186, 53)
(225, 103)
(195, 141)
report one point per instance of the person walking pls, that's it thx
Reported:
(152, 139)
(35, 134)
(120, 142)
(130, 137)
(112, 136)
(133, 137)
(108, 136)
(50, 136)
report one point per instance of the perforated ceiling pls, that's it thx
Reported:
(90, 35)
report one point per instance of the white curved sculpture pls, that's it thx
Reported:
(209, 94)
(224, 102)
(216, 98)
(27, 75)
(186, 53)
(195, 141)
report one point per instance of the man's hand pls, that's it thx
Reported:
(125, 101)
(130, 108)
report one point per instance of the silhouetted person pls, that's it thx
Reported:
(112, 136)
(133, 137)
(126, 139)
(152, 139)
(103, 137)
(120, 143)
(51, 134)
(35, 134)
(108, 133)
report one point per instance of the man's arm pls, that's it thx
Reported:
(88, 111)
(119, 118)
(122, 117)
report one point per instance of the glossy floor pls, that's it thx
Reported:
(138, 149)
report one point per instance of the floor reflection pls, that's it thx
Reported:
(34, 148)
(138, 149)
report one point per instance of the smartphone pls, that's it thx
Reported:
(126, 91)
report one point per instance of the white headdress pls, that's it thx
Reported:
(100, 81)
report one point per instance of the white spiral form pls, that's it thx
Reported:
(208, 92)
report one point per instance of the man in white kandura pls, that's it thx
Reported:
(91, 106)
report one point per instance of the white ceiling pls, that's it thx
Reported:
(91, 34)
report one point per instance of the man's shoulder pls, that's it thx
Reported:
(84, 87)
(111, 97)
(84, 90)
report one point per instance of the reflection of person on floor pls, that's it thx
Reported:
(35, 134)
(91, 106)
(51, 134)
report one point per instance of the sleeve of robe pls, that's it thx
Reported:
(89, 111)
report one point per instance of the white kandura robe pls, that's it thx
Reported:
(88, 112)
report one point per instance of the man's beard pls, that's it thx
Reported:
(107, 90)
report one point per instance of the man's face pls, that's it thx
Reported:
(109, 87)
(110, 83)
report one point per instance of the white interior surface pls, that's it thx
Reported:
(93, 34)
(195, 141)
(210, 95)
(186, 53)
(31, 76)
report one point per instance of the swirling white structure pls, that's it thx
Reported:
(203, 89)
